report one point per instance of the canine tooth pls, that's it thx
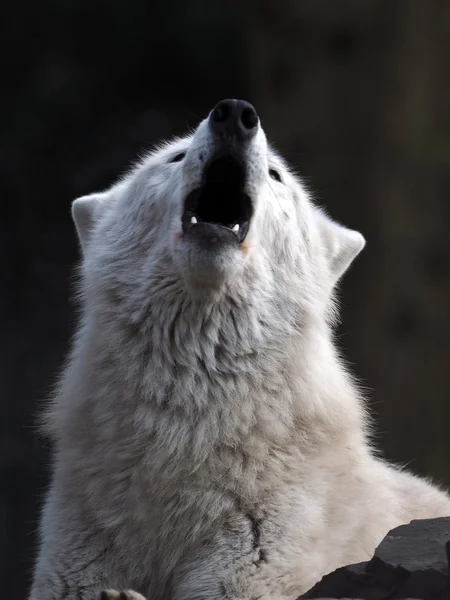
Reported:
(235, 228)
(193, 220)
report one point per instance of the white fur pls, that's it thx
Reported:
(209, 443)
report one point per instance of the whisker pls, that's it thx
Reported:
(274, 193)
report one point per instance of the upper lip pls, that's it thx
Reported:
(221, 199)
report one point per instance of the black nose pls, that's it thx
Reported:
(234, 118)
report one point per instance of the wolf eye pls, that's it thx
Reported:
(178, 157)
(275, 175)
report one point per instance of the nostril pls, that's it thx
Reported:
(221, 113)
(249, 118)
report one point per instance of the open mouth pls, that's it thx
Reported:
(221, 200)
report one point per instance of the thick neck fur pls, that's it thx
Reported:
(237, 368)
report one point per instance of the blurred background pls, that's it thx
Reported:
(354, 93)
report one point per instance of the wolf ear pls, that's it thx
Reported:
(341, 245)
(85, 212)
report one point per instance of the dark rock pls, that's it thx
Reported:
(412, 562)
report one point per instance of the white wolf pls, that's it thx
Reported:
(209, 443)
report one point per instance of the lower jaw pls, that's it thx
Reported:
(211, 230)
(211, 238)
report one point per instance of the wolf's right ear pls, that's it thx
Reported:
(85, 212)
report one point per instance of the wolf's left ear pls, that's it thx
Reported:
(341, 245)
(85, 212)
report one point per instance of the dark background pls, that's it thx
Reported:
(355, 93)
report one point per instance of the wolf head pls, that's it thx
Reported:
(215, 213)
